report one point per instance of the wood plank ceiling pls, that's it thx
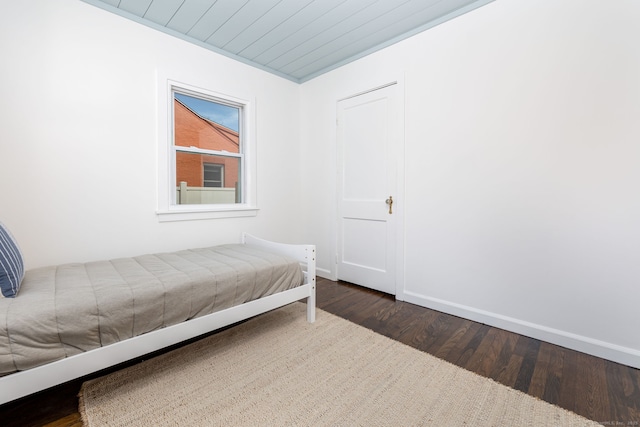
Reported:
(296, 39)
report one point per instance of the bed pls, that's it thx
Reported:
(75, 319)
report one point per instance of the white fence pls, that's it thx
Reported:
(204, 195)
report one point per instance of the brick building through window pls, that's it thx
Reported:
(195, 170)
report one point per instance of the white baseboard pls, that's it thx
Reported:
(326, 274)
(626, 356)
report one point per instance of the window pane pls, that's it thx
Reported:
(205, 124)
(211, 124)
(207, 179)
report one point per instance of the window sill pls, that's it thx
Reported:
(192, 214)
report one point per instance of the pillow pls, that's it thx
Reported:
(11, 264)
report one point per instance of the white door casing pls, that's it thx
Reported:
(369, 139)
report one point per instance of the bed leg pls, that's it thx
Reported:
(310, 258)
(311, 302)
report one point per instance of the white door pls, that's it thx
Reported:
(368, 129)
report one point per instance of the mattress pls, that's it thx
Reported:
(73, 308)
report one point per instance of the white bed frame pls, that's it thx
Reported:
(23, 383)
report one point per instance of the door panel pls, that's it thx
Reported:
(373, 255)
(364, 131)
(366, 135)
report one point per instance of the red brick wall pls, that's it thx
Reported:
(191, 130)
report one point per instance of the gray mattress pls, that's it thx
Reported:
(68, 309)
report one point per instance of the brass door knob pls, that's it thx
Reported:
(389, 202)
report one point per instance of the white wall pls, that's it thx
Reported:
(521, 144)
(78, 135)
(522, 139)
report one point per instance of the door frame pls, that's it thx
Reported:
(399, 200)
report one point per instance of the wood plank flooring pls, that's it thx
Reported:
(597, 389)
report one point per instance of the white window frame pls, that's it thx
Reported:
(167, 209)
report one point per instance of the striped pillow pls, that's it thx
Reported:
(11, 264)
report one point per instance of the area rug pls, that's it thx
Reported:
(278, 370)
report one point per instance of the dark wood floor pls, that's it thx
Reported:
(597, 389)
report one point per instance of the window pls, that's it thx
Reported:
(208, 149)
(206, 152)
(213, 175)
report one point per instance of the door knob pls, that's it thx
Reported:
(389, 201)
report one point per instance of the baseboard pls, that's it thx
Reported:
(325, 274)
(626, 356)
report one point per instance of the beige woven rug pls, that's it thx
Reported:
(278, 370)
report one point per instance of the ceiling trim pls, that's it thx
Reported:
(449, 16)
(188, 39)
(123, 13)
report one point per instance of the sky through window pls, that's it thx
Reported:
(219, 113)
